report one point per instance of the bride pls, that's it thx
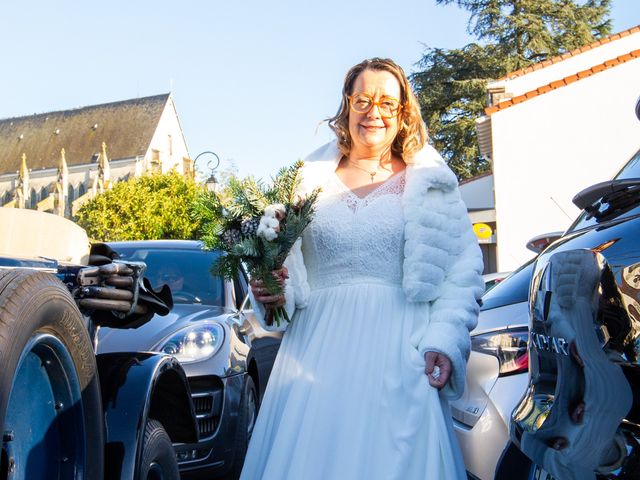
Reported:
(385, 285)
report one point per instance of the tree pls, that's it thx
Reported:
(451, 84)
(151, 207)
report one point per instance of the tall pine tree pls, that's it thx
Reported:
(451, 84)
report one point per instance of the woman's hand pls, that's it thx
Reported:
(438, 368)
(261, 294)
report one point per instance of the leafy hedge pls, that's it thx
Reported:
(150, 207)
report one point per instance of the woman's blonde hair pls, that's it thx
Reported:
(412, 134)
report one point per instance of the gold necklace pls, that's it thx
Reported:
(371, 174)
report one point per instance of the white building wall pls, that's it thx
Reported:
(169, 141)
(549, 147)
(569, 66)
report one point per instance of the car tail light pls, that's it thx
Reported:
(509, 346)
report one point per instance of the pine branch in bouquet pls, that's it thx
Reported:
(285, 184)
(245, 198)
(208, 211)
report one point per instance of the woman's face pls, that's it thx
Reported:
(370, 132)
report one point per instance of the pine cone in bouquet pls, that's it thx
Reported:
(249, 227)
(231, 236)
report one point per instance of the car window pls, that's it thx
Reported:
(513, 289)
(187, 272)
(630, 170)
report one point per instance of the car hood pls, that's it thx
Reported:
(151, 333)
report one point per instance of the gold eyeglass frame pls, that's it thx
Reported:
(377, 104)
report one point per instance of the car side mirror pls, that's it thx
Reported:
(538, 243)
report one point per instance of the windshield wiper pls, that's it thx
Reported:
(609, 199)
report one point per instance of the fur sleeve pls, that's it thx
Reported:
(454, 313)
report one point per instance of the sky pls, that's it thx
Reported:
(252, 80)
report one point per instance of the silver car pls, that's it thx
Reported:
(212, 331)
(496, 374)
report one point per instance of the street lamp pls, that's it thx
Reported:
(211, 182)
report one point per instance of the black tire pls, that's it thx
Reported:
(158, 459)
(246, 421)
(43, 333)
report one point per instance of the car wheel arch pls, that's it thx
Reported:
(170, 406)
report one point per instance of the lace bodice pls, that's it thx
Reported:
(354, 240)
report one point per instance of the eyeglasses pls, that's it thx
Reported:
(388, 107)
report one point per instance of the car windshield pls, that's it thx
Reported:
(630, 170)
(187, 272)
(513, 289)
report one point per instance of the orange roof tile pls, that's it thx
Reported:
(570, 79)
(564, 56)
(563, 81)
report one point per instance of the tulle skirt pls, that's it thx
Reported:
(348, 398)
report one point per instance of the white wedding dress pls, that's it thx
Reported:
(348, 398)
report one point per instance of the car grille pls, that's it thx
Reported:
(206, 394)
(203, 404)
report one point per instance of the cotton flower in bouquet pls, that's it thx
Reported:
(256, 225)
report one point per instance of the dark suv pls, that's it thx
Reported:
(580, 415)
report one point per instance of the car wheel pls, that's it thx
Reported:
(50, 404)
(246, 421)
(158, 459)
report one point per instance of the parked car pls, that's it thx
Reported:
(579, 416)
(212, 331)
(496, 374)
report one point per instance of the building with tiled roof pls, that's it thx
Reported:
(126, 138)
(554, 128)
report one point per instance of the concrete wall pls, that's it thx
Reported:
(477, 194)
(551, 146)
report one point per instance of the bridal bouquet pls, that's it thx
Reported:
(256, 225)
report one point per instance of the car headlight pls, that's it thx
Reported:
(194, 343)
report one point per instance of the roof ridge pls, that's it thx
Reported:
(571, 53)
(563, 82)
(85, 107)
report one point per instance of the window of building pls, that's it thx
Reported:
(33, 199)
(156, 166)
(187, 167)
